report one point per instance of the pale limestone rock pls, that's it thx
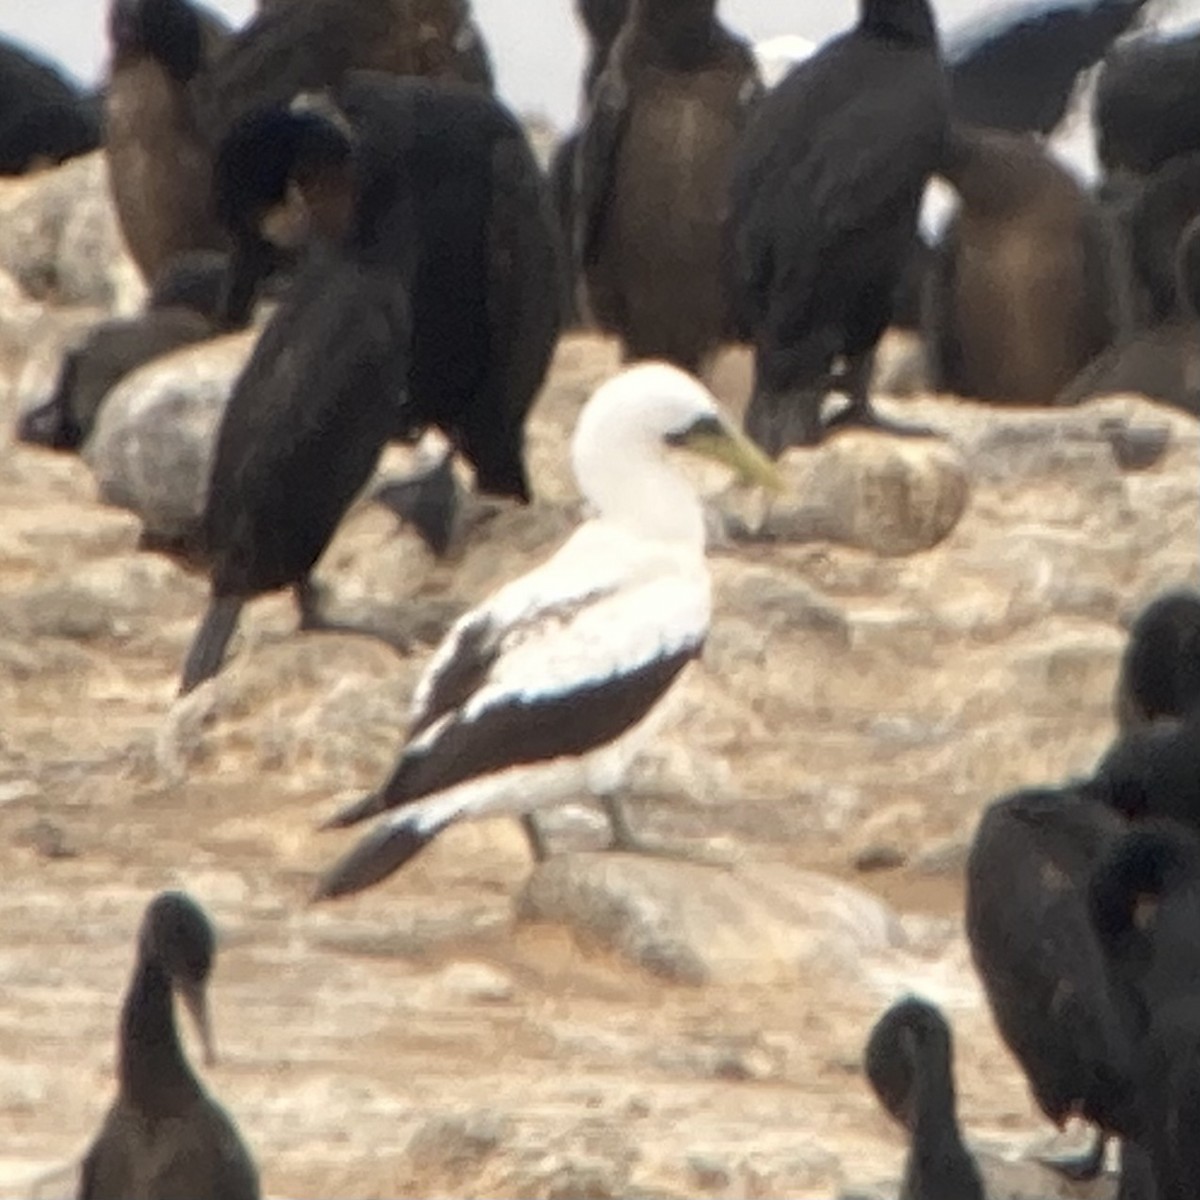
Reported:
(891, 496)
(117, 597)
(152, 447)
(696, 924)
(59, 238)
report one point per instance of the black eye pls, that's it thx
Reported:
(706, 424)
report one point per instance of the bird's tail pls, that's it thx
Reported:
(208, 647)
(382, 852)
(369, 806)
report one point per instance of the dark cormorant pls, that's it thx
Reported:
(652, 170)
(1145, 899)
(322, 393)
(487, 285)
(165, 1137)
(303, 45)
(1041, 964)
(909, 1062)
(1019, 296)
(1147, 107)
(45, 118)
(827, 188)
(159, 161)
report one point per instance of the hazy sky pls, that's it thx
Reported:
(535, 43)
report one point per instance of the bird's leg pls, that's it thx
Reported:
(1080, 1168)
(626, 841)
(312, 618)
(537, 838)
(775, 421)
(856, 383)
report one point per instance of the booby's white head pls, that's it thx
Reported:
(621, 443)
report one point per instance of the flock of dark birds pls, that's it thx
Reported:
(347, 162)
(1083, 916)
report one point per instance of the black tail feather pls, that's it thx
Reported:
(381, 853)
(208, 646)
(369, 806)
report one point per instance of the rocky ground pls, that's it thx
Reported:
(916, 628)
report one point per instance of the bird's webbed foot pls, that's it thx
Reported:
(1079, 1168)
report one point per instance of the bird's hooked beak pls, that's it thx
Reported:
(195, 1000)
(714, 438)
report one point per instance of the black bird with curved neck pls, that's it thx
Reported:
(827, 188)
(444, 187)
(164, 1137)
(910, 1064)
(1041, 963)
(323, 391)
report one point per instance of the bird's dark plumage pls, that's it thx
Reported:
(164, 1137)
(1160, 669)
(1154, 770)
(1018, 299)
(1020, 77)
(827, 186)
(45, 118)
(304, 45)
(602, 19)
(1147, 107)
(159, 160)
(179, 311)
(1160, 209)
(1145, 898)
(1162, 363)
(452, 170)
(652, 172)
(909, 1062)
(309, 415)
(1041, 963)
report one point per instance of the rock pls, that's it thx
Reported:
(892, 496)
(471, 983)
(59, 238)
(330, 706)
(152, 447)
(110, 598)
(455, 1146)
(1102, 438)
(701, 925)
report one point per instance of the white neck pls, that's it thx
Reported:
(640, 490)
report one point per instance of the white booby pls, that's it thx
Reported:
(547, 690)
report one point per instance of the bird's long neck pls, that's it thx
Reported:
(681, 28)
(154, 1076)
(936, 1141)
(647, 495)
(910, 22)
